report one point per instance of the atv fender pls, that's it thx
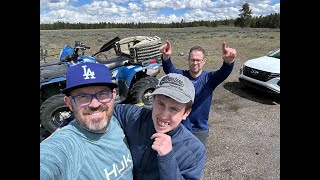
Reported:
(127, 73)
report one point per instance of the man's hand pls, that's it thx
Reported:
(166, 50)
(228, 54)
(162, 143)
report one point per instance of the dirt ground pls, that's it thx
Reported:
(244, 135)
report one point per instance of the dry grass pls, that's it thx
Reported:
(248, 42)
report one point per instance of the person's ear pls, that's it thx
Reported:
(186, 114)
(68, 100)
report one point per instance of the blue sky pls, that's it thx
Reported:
(160, 11)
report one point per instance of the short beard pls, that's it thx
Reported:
(101, 128)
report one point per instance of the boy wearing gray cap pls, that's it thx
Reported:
(93, 146)
(161, 147)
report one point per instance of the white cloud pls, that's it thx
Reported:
(156, 4)
(134, 7)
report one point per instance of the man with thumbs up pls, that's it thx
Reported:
(203, 81)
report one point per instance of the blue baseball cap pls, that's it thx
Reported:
(88, 74)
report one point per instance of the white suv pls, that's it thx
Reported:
(262, 73)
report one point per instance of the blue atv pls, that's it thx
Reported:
(134, 69)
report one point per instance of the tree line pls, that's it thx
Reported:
(244, 20)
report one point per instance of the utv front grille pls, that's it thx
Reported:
(140, 48)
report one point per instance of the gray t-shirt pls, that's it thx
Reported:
(74, 153)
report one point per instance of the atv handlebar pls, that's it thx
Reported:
(80, 45)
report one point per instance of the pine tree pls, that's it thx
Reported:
(244, 17)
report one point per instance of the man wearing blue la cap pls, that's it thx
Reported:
(93, 146)
(161, 147)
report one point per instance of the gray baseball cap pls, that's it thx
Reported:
(177, 87)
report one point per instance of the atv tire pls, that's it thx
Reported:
(53, 111)
(140, 92)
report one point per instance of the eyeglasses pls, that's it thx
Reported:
(196, 60)
(83, 100)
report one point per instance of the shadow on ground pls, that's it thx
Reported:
(252, 94)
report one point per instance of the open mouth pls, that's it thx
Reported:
(94, 113)
(162, 123)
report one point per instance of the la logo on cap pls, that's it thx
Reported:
(87, 72)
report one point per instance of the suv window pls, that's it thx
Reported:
(275, 54)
